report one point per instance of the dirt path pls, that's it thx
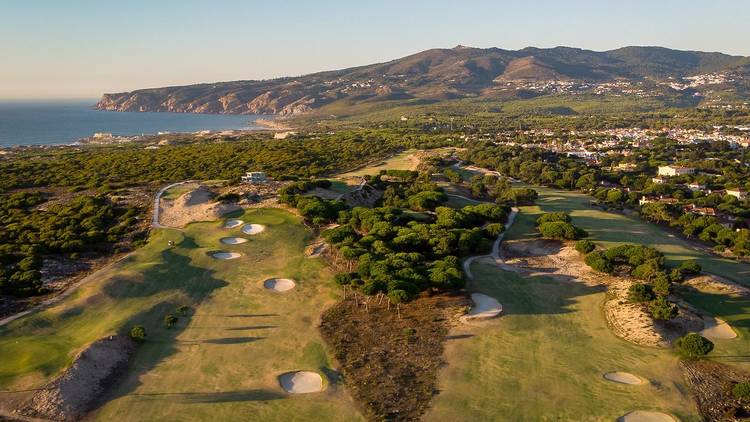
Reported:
(155, 220)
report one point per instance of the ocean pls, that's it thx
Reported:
(64, 122)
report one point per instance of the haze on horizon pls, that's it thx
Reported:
(81, 49)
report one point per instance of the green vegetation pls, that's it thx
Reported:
(534, 352)
(557, 225)
(30, 230)
(585, 246)
(693, 346)
(138, 333)
(741, 391)
(218, 362)
(401, 257)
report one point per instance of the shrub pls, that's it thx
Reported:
(183, 310)
(676, 276)
(639, 292)
(553, 216)
(585, 246)
(138, 333)
(693, 346)
(661, 284)
(373, 286)
(558, 230)
(170, 320)
(662, 309)
(494, 229)
(398, 296)
(690, 267)
(741, 391)
(598, 262)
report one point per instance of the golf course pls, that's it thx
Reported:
(226, 356)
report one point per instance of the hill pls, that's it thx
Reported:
(464, 72)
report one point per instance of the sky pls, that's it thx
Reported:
(81, 49)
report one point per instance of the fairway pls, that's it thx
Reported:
(544, 359)
(219, 363)
(610, 229)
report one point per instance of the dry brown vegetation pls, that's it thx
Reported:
(711, 384)
(390, 354)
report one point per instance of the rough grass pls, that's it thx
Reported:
(220, 362)
(545, 357)
(401, 161)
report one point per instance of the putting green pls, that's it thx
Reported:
(217, 364)
(543, 359)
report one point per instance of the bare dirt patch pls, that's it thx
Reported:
(80, 387)
(193, 206)
(390, 357)
(711, 384)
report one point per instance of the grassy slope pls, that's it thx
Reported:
(544, 359)
(221, 362)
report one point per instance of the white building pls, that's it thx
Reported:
(675, 170)
(254, 177)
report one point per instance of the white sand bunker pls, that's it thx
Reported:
(645, 416)
(279, 284)
(623, 378)
(301, 382)
(233, 240)
(253, 228)
(485, 307)
(717, 329)
(226, 255)
(230, 224)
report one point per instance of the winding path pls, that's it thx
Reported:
(155, 219)
(495, 254)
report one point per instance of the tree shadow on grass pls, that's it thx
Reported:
(213, 397)
(224, 340)
(521, 294)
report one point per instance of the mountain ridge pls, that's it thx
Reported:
(440, 74)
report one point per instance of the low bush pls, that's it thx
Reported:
(558, 230)
(551, 217)
(170, 320)
(639, 292)
(662, 309)
(741, 391)
(598, 262)
(693, 346)
(690, 267)
(585, 246)
(138, 333)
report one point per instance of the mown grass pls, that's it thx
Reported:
(545, 357)
(220, 362)
(611, 229)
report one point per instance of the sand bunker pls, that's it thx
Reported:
(717, 329)
(623, 378)
(485, 307)
(226, 255)
(230, 224)
(253, 228)
(233, 240)
(645, 416)
(301, 382)
(279, 284)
